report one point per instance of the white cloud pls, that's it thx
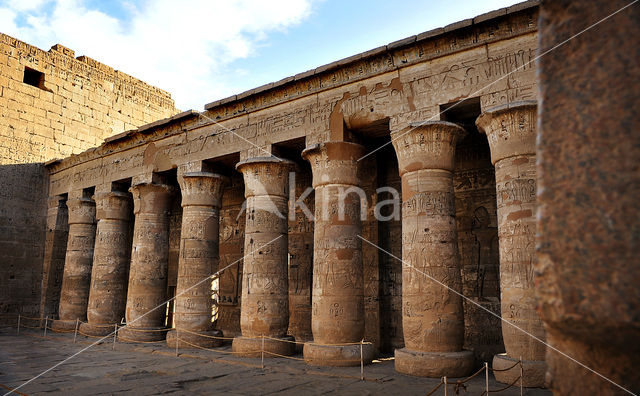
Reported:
(182, 47)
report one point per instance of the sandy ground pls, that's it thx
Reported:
(148, 369)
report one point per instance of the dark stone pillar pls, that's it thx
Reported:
(588, 270)
(54, 255)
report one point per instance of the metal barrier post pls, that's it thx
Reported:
(486, 376)
(262, 351)
(177, 342)
(361, 361)
(521, 377)
(46, 323)
(115, 334)
(445, 386)
(75, 333)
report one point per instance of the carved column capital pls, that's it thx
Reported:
(334, 162)
(81, 211)
(266, 176)
(202, 189)
(114, 205)
(427, 145)
(510, 129)
(150, 197)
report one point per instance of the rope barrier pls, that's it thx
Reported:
(302, 342)
(13, 390)
(214, 350)
(140, 342)
(89, 335)
(283, 356)
(134, 329)
(30, 318)
(60, 330)
(436, 388)
(203, 335)
(459, 384)
(502, 389)
(98, 325)
(506, 369)
(30, 327)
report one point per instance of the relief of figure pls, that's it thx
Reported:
(487, 279)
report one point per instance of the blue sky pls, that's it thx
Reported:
(203, 50)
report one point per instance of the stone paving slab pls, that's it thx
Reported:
(151, 369)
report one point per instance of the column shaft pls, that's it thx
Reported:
(108, 294)
(199, 258)
(337, 315)
(145, 309)
(432, 315)
(265, 283)
(76, 278)
(54, 255)
(510, 130)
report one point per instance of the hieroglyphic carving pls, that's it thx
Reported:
(232, 226)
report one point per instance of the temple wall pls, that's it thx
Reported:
(53, 105)
(384, 89)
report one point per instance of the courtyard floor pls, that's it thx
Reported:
(148, 369)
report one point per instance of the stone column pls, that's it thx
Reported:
(432, 315)
(76, 278)
(54, 255)
(337, 315)
(199, 258)
(145, 309)
(108, 294)
(265, 283)
(511, 131)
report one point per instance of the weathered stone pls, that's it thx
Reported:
(301, 260)
(338, 291)
(265, 280)
(588, 145)
(108, 293)
(199, 258)
(53, 105)
(432, 320)
(511, 131)
(146, 295)
(76, 279)
(53, 263)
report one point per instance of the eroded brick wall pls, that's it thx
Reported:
(66, 106)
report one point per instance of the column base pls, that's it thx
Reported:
(97, 329)
(63, 325)
(338, 355)
(142, 334)
(252, 347)
(533, 371)
(202, 339)
(434, 364)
